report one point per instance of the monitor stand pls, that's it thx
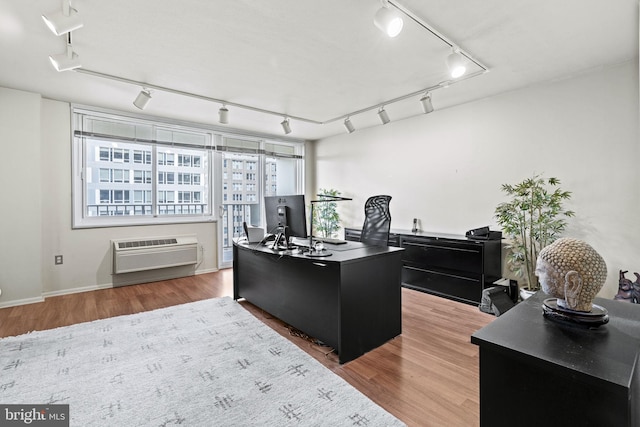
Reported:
(282, 236)
(317, 253)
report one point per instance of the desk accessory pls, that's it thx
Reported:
(596, 317)
(325, 198)
(253, 234)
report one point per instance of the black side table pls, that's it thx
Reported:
(537, 372)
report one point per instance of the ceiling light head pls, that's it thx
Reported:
(427, 106)
(142, 99)
(348, 125)
(456, 64)
(384, 117)
(285, 126)
(65, 61)
(388, 20)
(63, 21)
(223, 114)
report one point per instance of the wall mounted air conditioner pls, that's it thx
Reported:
(131, 255)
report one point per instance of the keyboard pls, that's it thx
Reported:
(330, 240)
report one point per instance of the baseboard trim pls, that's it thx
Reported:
(209, 270)
(49, 294)
(76, 290)
(17, 302)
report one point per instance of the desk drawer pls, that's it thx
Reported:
(436, 255)
(448, 285)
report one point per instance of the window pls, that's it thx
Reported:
(167, 178)
(254, 168)
(166, 159)
(142, 157)
(185, 178)
(186, 160)
(132, 172)
(142, 177)
(121, 175)
(138, 196)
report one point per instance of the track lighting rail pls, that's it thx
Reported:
(191, 95)
(415, 18)
(145, 95)
(271, 112)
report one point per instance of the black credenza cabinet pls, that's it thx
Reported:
(538, 372)
(447, 265)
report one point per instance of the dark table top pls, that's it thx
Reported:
(343, 253)
(607, 353)
(438, 235)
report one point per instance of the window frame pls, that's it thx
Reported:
(164, 126)
(80, 215)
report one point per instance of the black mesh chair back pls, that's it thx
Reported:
(377, 221)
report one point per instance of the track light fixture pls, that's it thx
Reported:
(348, 125)
(63, 21)
(223, 113)
(142, 99)
(285, 126)
(384, 117)
(427, 106)
(66, 61)
(456, 64)
(388, 20)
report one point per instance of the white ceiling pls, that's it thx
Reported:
(306, 58)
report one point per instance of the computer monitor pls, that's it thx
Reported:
(286, 216)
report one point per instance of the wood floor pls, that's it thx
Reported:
(426, 377)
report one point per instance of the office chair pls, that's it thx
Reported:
(377, 221)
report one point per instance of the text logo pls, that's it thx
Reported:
(34, 415)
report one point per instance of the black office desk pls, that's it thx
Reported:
(350, 300)
(537, 372)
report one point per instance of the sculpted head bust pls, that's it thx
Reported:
(572, 271)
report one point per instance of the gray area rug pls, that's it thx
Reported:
(207, 363)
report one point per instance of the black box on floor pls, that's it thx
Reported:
(496, 300)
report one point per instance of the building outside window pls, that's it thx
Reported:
(243, 194)
(141, 171)
(133, 170)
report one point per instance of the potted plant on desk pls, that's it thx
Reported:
(532, 219)
(326, 220)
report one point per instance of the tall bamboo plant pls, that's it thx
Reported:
(533, 219)
(326, 220)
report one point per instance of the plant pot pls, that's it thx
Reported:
(526, 293)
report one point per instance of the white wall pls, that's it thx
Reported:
(446, 168)
(36, 139)
(20, 195)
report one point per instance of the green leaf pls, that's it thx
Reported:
(531, 219)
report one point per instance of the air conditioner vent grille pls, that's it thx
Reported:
(144, 243)
(130, 255)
